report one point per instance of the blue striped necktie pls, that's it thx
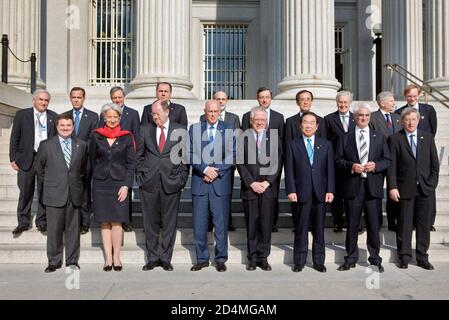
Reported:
(67, 153)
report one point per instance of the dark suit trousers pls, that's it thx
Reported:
(87, 203)
(369, 205)
(26, 181)
(418, 209)
(258, 219)
(63, 227)
(211, 225)
(433, 208)
(159, 208)
(218, 207)
(315, 212)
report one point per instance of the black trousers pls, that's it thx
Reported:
(259, 219)
(26, 181)
(86, 208)
(159, 208)
(369, 205)
(63, 228)
(416, 209)
(312, 211)
(338, 209)
(433, 208)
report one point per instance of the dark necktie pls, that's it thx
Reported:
(389, 123)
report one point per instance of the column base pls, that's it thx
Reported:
(24, 82)
(441, 84)
(144, 87)
(322, 87)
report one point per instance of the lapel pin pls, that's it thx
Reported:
(422, 138)
(422, 117)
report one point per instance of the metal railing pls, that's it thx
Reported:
(5, 50)
(427, 88)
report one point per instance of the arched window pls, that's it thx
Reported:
(111, 42)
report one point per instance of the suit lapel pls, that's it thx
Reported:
(353, 143)
(317, 150)
(303, 150)
(420, 145)
(338, 123)
(59, 152)
(383, 122)
(75, 152)
(407, 144)
(83, 122)
(372, 141)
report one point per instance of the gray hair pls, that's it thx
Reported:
(345, 94)
(360, 106)
(384, 96)
(408, 111)
(258, 109)
(40, 91)
(111, 106)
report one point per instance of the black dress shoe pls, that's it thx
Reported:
(346, 266)
(265, 266)
(251, 266)
(425, 265)
(275, 229)
(127, 227)
(231, 228)
(52, 268)
(167, 266)
(297, 268)
(432, 229)
(73, 266)
(403, 265)
(393, 228)
(221, 267)
(361, 230)
(84, 230)
(117, 268)
(320, 268)
(41, 228)
(199, 266)
(151, 265)
(18, 230)
(338, 228)
(107, 268)
(379, 267)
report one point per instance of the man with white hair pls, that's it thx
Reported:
(362, 156)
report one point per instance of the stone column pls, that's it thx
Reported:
(402, 41)
(309, 49)
(162, 47)
(20, 20)
(437, 58)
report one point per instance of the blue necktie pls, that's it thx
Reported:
(77, 121)
(67, 153)
(413, 144)
(211, 140)
(310, 150)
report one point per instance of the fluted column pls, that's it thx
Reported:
(20, 20)
(402, 40)
(437, 28)
(309, 49)
(163, 47)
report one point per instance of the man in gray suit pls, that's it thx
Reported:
(61, 164)
(387, 122)
(231, 118)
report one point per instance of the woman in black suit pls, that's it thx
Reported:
(112, 155)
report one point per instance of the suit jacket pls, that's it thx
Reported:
(62, 183)
(334, 127)
(129, 121)
(230, 118)
(379, 124)
(118, 161)
(154, 166)
(347, 155)
(276, 122)
(21, 146)
(428, 121)
(406, 171)
(251, 171)
(305, 179)
(293, 129)
(222, 185)
(177, 114)
(88, 123)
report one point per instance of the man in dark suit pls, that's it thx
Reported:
(304, 100)
(387, 122)
(212, 150)
(412, 179)
(61, 163)
(337, 125)
(161, 181)
(427, 122)
(85, 122)
(362, 156)
(259, 170)
(310, 183)
(30, 127)
(178, 112)
(129, 121)
(232, 119)
(275, 122)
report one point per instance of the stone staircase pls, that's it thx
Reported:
(30, 247)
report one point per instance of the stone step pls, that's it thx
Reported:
(133, 254)
(285, 236)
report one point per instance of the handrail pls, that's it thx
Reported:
(427, 88)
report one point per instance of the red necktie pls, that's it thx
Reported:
(162, 139)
